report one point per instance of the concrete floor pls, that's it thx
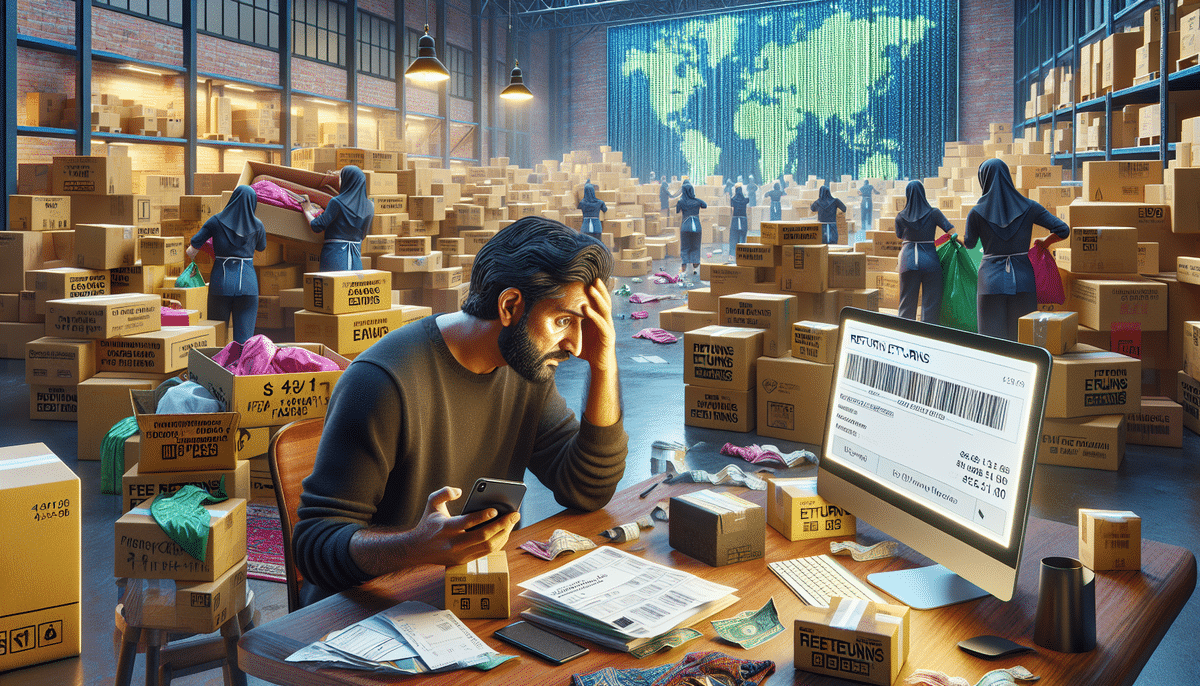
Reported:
(1161, 485)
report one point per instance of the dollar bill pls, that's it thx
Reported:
(751, 628)
(561, 541)
(731, 475)
(862, 553)
(997, 677)
(671, 639)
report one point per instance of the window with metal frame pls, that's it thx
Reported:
(248, 21)
(319, 31)
(462, 72)
(170, 11)
(376, 46)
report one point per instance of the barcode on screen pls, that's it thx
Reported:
(971, 404)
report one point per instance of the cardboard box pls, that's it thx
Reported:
(1188, 395)
(39, 212)
(1191, 347)
(268, 399)
(104, 246)
(1158, 422)
(140, 278)
(40, 503)
(719, 408)
(1110, 540)
(162, 351)
(1085, 384)
(187, 607)
(1091, 442)
(347, 291)
(685, 319)
(278, 277)
(144, 551)
(195, 298)
(1104, 249)
(103, 400)
(480, 588)
(793, 399)
(815, 341)
(790, 233)
(121, 210)
(66, 282)
(1188, 269)
(1057, 332)
(847, 270)
(54, 403)
(103, 316)
(717, 528)
(861, 298)
(795, 510)
(279, 221)
(1102, 303)
(1153, 222)
(721, 356)
(162, 250)
(805, 269)
(758, 255)
(183, 442)
(774, 313)
(1182, 186)
(84, 175)
(354, 332)
(446, 299)
(138, 485)
(852, 639)
(1119, 181)
(59, 361)
(22, 251)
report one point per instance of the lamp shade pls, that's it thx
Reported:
(426, 68)
(516, 90)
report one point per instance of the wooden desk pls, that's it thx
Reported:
(1133, 610)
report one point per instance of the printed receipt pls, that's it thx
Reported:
(944, 424)
(439, 637)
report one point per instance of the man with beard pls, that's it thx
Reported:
(443, 401)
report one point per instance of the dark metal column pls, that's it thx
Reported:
(1164, 23)
(477, 92)
(190, 105)
(83, 76)
(285, 81)
(8, 110)
(400, 56)
(444, 87)
(352, 69)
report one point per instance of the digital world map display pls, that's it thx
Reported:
(824, 88)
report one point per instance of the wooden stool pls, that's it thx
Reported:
(165, 659)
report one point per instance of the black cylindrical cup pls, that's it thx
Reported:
(1066, 609)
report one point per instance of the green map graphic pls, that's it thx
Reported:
(813, 78)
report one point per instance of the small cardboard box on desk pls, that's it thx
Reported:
(795, 510)
(39, 588)
(1110, 540)
(853, 639)
(479, 588)
(717, 528)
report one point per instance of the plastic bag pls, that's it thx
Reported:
(190, 277)
(960, 282)
(1045, 275)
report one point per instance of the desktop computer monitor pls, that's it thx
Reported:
(932, 438)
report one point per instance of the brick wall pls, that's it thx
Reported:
(140, 39)
(537, 78)
(587, 94)
(986, 67)
(41, 72)
(30, 149)
(380, 8)
(218, 56)
(376, 91)
(51, 19)
(319, 78)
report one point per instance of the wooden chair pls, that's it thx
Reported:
(292, 453)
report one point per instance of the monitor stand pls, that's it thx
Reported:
(924, 588)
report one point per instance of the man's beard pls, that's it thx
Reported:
(522, 355)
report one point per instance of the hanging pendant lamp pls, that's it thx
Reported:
(426, 68)
(516, 90)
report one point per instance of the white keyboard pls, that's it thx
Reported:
(818, 578)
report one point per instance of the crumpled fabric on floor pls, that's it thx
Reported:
(259, 355)
(639, 315)
(112, 455)
(622, 290)
(656, 335)
(641, 298)
(755, 454)
(183, 518)
(713, 668)
(663, 277)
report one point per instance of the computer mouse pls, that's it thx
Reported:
(991, 647)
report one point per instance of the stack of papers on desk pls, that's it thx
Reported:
(621, 601)
(409, 638)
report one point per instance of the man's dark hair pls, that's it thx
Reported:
(538, 257)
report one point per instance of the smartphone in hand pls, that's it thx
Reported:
(546, 645)
(504, 496)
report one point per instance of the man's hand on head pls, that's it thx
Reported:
(599, 333)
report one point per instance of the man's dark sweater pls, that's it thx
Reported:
(407, 419)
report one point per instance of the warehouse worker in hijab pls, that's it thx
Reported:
(920, 270)
(665, 195)
(233, 286)
(826, 206)
(689, 232)
(737, 224)
(591, 207)
(868, 203)
(774, 196)
(345, 222)
(1003, 220)
(752, 192)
